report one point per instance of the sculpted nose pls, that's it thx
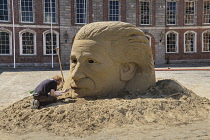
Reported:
(78, 73)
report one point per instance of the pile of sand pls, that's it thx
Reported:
(168, 103)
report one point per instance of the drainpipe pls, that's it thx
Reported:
(85, 7)
(13, 28)
(51, 31)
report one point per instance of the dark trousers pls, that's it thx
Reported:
(44, 100)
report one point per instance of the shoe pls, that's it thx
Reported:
(35, 104)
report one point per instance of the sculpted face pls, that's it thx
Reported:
(108, 57)
(92, 70)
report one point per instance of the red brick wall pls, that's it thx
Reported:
(198, 54)
(180, 12)
(39, 58)
(39, 17)
(152, 44)
(187, 56)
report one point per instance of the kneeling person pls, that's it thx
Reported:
(45, 93)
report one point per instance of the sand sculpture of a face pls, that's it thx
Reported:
(108, 57)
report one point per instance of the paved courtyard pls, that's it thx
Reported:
(17, 83)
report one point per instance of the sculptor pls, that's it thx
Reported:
(108, 57)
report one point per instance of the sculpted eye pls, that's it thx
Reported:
(74, 61)
(91, 61)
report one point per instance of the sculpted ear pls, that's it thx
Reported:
(127, 71)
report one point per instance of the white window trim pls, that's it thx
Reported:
(32, 11)
(8, 7)
(150, 12)
(2, 29)
(177, 41)
(20, 39)
(195, 44)
(119, 10)
(203, 15)
(56, 11)
(176, 18)
(44, 41)
(195, 12)
(150, 40)
(75, 7)
(203, 40)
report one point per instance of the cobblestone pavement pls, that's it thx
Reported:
(17, 83)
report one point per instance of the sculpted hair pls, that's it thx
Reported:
(128, 43)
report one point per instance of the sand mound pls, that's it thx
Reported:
(168, 103)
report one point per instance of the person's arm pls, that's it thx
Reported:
(56, 93)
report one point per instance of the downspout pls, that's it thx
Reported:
(51, 31)
(13, 28)
(86, 6)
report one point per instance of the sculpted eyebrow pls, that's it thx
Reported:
(72, 56)
(87, 55)
(90, 56)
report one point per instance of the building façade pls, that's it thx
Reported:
(178, 30)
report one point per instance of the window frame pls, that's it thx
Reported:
(114, 15)
(21, 41)
(176, 41)
(10, 40)
(8, 12)
(206, 31)
(176, 12)
(150, 12)
(206, 14)
(194, 15)
(33, 13)
(85, 13)
(44, 41)
(195, 41)
(56, 15)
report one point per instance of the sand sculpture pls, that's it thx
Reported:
(109, 57)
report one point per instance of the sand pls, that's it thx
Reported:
(167, 106)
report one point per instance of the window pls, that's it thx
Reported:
(171, 13)
(81, 11)
(5, 42)
(171, 42)
(27, 42)
(206, 41)
(190, 42)
(206, 12)
(50, 9)
(190, 14)
(27, 11)
(114, 10)
(145, 12)
(48, 42)
(4, 16)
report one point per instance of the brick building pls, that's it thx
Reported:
(178, 30)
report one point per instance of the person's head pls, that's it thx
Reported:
(58, 78)
(108, 57)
